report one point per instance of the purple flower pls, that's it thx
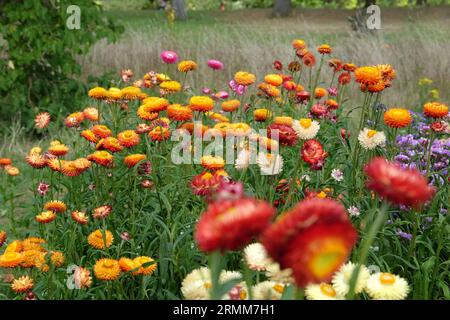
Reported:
(404, 235)
(333, 91)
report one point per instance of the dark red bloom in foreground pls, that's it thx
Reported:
(313, 239)
(232, 224)
(313, 154)
(287, 136)
(400, 186)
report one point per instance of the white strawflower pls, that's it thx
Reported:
(353, 211)
(341, 279)
(242, 160)
(255, 257)
(306, 177)
(267, 290)
(370, 139)
(387, 286)
(239, 291)
(306, 128)
(270, 164)
(337, 175)
(276, 274)
(323, 291)
(196, 284)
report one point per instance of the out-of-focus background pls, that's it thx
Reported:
(48, 67)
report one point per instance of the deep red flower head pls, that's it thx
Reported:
(232, 224)
(313, 239)
(344, 78)
(303, 96)
(345, 134)
(400, 186)
(313, 154)
(277, 65)
(205, 183)
(319, 110)
(287, 136)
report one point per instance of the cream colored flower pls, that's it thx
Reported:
(268, 290)
(255, 257)
(197, 284)
(387, 286)
(270, 164)
(323, 291)
(341, 279)
(276, 274)
(370, 139)
(306, 128)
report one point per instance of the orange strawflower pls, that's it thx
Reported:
(42, 120)
(130, 93)
(98, 93)
(274, 79)
(397, 117)
(102, 212)
(58, 149)
(244, 78)
(368, 75)
(101, 131)
(187, 65)
(261, 114)
(56, 206)
(320, 92)
(99, 239)
(147, 265)
(103, 158)
(178, 112)
(324, 49)
(133, 159)
(91, 113)
(22, 284)
(79, 217)
(435, 110)
(107, 269)
(212, 163)
(10, 259)
(46, 217)
(230, 105)
(89, 136)
(201, 103)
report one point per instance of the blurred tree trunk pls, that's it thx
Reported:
(422, 2)
(180, 9)
(367, 3)
(282, 8)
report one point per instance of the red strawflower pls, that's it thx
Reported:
(277, 65)
(313, 154)
(319, 110)
(205, 183)
(400, 186)
(232, 224)
(344, 78)
(313, 239)
(303, 96)
(287, 135)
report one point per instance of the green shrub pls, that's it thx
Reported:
(38, 54)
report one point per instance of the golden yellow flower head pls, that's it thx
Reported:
(98, 239)
(187, 65)
(107, 269)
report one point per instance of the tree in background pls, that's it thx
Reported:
(38, 51)
(180, 9)
(282, 8)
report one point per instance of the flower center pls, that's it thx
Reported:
(329, 255)
(327, 290)
(387, 278)
(278, 288)
(108, 264)
(306, 123)
(371, 133)
(207, 285)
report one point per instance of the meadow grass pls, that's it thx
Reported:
(250, 40)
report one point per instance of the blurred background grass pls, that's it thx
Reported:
(415, 41)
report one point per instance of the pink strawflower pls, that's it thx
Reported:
(215, 64)
(43, 188)
(169, 57)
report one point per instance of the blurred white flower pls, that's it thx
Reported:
(353, 211)
(337, 175)
(370, 139)
(270, 164)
